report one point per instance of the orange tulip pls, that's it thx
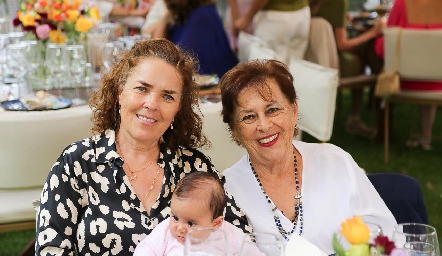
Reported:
(355, 231)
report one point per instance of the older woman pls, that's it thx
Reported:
(106, 193)
(284, 186)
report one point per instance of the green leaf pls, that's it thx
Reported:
(337, 246)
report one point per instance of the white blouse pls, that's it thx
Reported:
(334, 188)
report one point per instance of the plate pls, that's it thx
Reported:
(17, 105)
(206, 81)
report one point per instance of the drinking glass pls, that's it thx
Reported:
(111, 53)
(16, 59)
(207, 242)
(56, 62)
(268, 243)
(4, 41)
(416, 238)
(33, 63)
(76, 66)
(5, 25)
(16, 37)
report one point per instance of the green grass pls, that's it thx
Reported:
(422, 165)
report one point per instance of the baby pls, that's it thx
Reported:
(197, 202)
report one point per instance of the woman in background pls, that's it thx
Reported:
(417, 14)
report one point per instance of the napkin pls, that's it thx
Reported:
(297, 245)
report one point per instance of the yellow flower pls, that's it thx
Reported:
(27, 19)
(83, 25)
(73, 15)
(57, 37)
(355, 231)
(94, 13)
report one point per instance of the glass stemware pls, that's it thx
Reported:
(416, 239)
(207, 242)
(33, 63)
(4, 41)
(56, 62)
(77, 65)
(16, 59)
(268, 243)
(111, 53)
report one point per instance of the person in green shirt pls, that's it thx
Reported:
(354, 55)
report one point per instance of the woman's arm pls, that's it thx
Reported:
(57, 219)
(159, 29)
(346, 44)
(243, 22)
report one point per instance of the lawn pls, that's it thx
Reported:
(422, 165)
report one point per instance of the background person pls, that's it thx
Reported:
(285, 186)
(422, 14)
(197, 202)
(195, 25)
(354, 55)
(108, 192)
(283, 25)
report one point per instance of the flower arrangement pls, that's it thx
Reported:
(56, 20)
(357, 233)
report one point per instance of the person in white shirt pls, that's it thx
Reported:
(285, 186)
(198, 201)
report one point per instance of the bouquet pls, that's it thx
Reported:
(356, 232)
(56, 20)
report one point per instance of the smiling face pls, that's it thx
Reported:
(264, 123)
(150, 99)
(190, 213)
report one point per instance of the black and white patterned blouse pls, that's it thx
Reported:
(88, 206)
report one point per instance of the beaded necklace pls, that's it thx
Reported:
(298, 204)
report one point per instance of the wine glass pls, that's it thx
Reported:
(76, 56)
(16, 59)
(111, 53)
(268, 244)
(56, 62)
(32, 65)
(416, 239)
(207, 242)
(4, 41)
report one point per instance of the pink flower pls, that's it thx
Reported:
(42, 31)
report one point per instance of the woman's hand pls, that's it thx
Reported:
(378, 27)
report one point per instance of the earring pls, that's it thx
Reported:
(171, 125)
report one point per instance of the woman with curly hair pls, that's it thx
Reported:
(106, 193)
(195, 25)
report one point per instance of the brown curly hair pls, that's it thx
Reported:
(180, 10)
(104, 102)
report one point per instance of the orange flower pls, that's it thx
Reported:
(83, 25)
(355, 231)
(57, 37)
(43, 3)
(56, 5)
(72, 15)
(27, 19)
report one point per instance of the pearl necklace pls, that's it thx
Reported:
(298, 204)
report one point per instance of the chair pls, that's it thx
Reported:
(420, 58)
(31, 143)
(403, 196)
(323, 51)
(224, 152)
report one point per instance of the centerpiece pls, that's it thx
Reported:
(56, 20)
(357, 233)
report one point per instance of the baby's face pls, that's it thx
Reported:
(187, 214)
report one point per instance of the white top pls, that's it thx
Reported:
(334, 188)
(161, 242)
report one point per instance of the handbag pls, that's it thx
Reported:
(389, 82)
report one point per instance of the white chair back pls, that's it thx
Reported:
(251, 47)
(316, 88)
(420, 53)
(32, 141)
(224, 151)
